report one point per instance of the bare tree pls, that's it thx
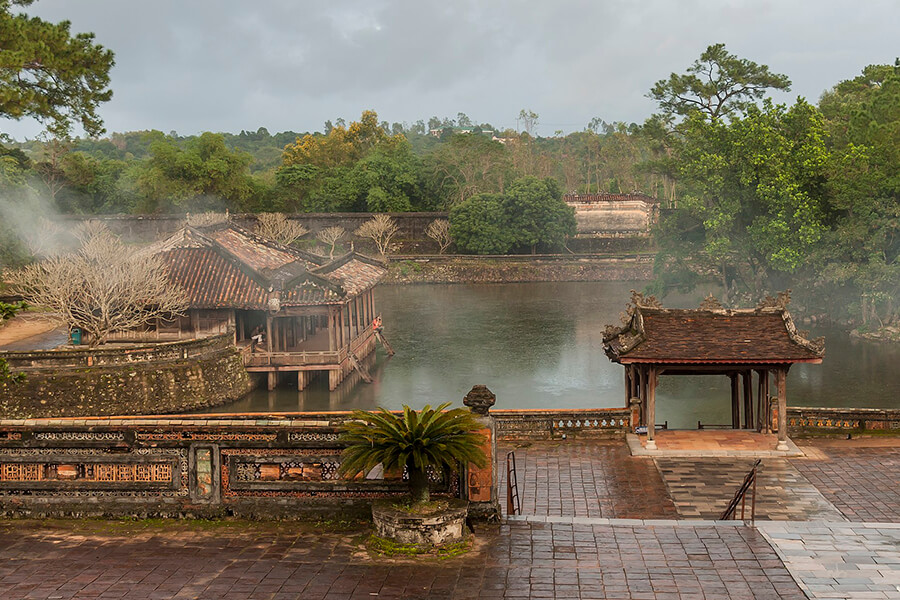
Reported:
(44, 239)
(439, 231)
(207, 218)
(86, 230)
(331, 236)
(278, 227)
(380, 229)
(102, 288)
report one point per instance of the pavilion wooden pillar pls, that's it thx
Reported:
(651, 407)
(332, 330)
(642, 391)
(735, 403)
(763, 418)
(781, 382)
(748, 398)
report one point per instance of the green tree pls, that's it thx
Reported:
(536, 214)
(436, 439)
(201, 174)
(388, 177)
(718, 84)
(50, 75)
(754, 187)
(8, 311)
(478, 225)
(468, 164)
(858, 266)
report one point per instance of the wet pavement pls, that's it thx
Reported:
(702, 489)
(862, 483)
(588, 479)
(516, 560)
(578, 538)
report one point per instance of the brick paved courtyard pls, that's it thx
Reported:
(518, 560)
(588, 479)
(565, 546)
(702, 488)
(863, 483)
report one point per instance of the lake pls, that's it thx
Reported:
(539, 345)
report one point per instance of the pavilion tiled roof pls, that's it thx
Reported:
(356, 272)
(710, 335)
(226, 266)
(212, 281)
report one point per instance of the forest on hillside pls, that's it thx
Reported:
(363, 165)
(756, 195)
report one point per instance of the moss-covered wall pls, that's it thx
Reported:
(155, 387)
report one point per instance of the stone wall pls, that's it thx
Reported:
(164, 378)
(843, 420)
(193, 466)
(616, 218)
(149, 228)
(603, 221)
(527, 424)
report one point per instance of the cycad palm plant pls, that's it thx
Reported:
(417, 440)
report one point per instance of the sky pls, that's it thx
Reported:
(226, 65)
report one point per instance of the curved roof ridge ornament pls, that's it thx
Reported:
(775, 304)
(711, 303)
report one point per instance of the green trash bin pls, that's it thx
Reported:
(75, 336)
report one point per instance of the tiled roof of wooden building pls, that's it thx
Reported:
(710, 335)
(226, 266)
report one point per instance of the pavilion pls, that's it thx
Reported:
(290, 311)
(711, 340)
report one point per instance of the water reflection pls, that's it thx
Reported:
(539, 346)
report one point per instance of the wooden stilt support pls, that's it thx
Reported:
(380, 337)
(334, 379)
(303, 379)
(358, 366)
(271, 380)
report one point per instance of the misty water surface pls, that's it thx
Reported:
(538, 345)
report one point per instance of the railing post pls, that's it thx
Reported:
(481, 485)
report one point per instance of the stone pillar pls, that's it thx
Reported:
(480, 486)
(781, 383)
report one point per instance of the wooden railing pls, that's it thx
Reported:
(262, 358)
(513, 502)
(740, 497)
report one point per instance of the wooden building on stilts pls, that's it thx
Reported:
(712, 340)
(292, 312)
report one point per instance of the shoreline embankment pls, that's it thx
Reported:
(409, 270)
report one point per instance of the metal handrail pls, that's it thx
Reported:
(513, 503)
(741, 496)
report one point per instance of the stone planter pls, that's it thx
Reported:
(435, 528)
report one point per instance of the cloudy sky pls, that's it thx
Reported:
(227, 65)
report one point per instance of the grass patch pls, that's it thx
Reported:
(385, 547)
